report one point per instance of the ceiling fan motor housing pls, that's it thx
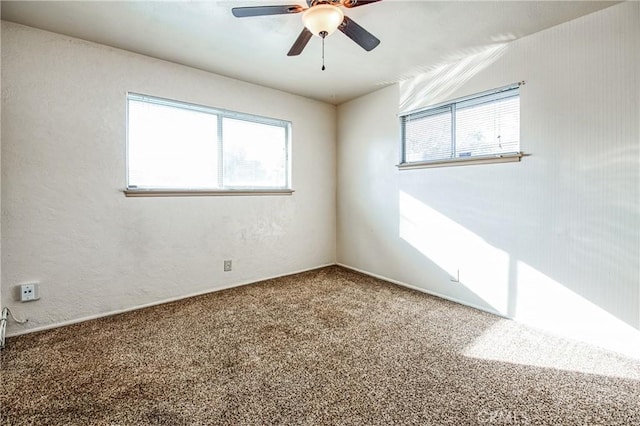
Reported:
(323, 18)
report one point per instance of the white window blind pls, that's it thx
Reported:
(428, 135)
(481, 126)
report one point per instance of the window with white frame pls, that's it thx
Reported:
(479, 128)
(177, 146)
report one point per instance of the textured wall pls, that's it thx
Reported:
(1, 303)
(554, 240)
(65, 221)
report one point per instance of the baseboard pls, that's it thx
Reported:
(175, 299)
(422, 290)
(161, 302)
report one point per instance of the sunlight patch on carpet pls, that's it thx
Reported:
(508, 341)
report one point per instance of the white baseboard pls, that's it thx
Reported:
(160, 302)
(422, 290)
(175, 299)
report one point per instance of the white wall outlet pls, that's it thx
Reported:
(227, 265)
(29, 292)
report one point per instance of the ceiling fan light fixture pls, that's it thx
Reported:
(322, 18)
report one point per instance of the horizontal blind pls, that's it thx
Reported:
(488, 128)
(487, 124)
(428, 135)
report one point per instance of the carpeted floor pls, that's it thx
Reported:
(329, 346)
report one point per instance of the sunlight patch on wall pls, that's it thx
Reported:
(508, 341)
(544, 303)
(483, 268)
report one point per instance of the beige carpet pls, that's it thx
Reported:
(329, 346)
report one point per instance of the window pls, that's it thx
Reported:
(177, 147)
(480, 128)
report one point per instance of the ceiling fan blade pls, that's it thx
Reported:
(355, 3)
(243, 12)
(300, 43)
(355, 32)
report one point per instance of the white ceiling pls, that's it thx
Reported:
(416, 36)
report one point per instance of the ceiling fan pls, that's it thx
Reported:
(321, 18)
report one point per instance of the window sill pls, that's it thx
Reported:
(134, 192)
(465, 161)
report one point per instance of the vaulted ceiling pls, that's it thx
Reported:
(416, 37)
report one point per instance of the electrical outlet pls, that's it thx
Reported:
(227, 265)
(29, 292)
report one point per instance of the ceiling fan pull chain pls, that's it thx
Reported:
(323, 34)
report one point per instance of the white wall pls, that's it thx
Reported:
(66, 223)
(1, 304)
(554, 240)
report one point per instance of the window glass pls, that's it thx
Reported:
(175, 145)
(481, 126)
(488, 128)
(428, 137)
(171, 147)
(255, 154)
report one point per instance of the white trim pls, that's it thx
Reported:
(463, 161)
(161, 302)
(136, 192)
(422, 290)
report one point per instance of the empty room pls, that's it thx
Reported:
(320, 212)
